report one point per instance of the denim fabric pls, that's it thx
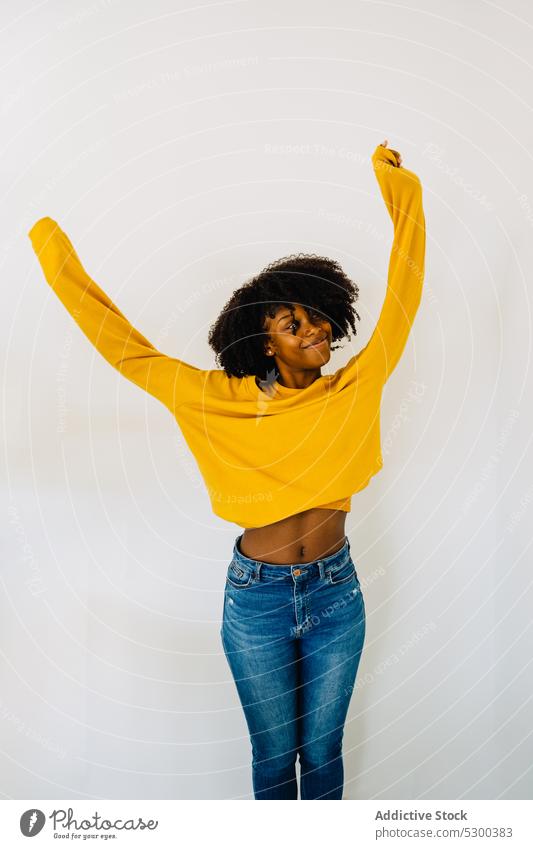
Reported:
(293, 637)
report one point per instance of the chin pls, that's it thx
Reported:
(321, 358)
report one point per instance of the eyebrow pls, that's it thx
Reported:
(287, 315)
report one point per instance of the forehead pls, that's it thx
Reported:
(291, 309)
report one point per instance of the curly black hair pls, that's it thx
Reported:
(315, 282)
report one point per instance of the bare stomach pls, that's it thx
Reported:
(300, 538)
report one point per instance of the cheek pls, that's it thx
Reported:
(289, 345)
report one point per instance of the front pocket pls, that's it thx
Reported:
(342, 574)
(238, 577)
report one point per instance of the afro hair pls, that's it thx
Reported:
(318, 284)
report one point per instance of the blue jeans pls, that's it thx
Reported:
(293, 637)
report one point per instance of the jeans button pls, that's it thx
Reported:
(297, 571)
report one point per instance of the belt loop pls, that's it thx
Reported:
(321, 569)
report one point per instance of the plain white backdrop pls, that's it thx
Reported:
(182, 147)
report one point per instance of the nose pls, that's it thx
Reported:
(314, 325)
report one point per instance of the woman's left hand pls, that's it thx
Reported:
(396, 153)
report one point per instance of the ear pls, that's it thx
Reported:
(267, 349)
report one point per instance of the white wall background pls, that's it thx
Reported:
(147, 131)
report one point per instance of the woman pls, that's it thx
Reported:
(281, 448)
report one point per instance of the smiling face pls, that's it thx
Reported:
(298, 340)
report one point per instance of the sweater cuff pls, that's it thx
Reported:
(385, 154)
(42, 228)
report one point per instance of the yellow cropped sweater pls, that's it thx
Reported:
(266, 454)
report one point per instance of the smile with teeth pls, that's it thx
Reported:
(318, 344)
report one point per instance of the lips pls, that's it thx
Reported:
(316, 344)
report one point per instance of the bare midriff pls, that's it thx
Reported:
(300, 538)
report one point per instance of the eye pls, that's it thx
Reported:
(314, 314)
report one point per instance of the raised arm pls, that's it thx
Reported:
(169, 380)
(402, 193)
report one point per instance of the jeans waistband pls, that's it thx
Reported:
(272, 570)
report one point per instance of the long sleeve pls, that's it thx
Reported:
(402, 193)
(169, 380)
